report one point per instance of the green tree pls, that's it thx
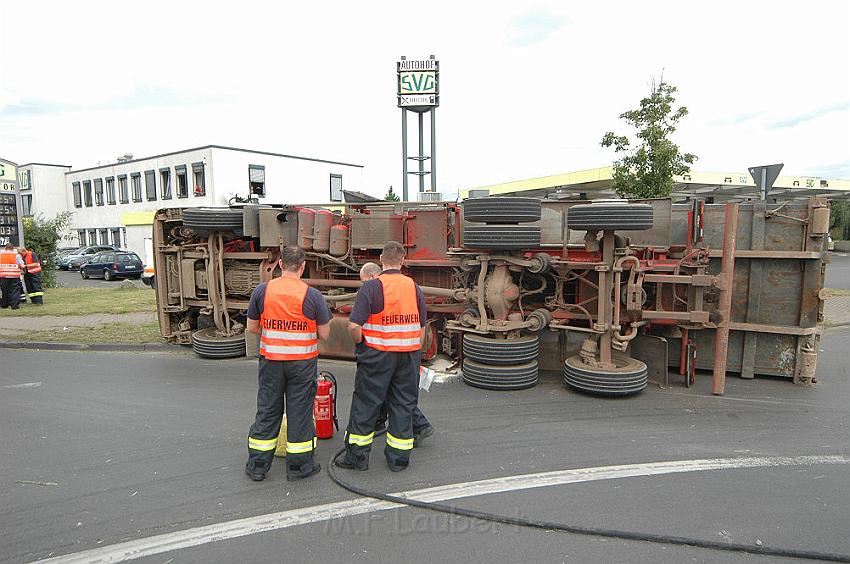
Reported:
(391, 196)
(646, 169)
(839, 217)
(41, 235)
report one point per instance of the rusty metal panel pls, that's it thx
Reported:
(427, 233)
(373, 230)
(774, 291)
(277, 227)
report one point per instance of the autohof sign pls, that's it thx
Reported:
(418, 84)
(10, 223)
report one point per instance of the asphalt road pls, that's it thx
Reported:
(72, 279)
(838, 272)
(104, 449)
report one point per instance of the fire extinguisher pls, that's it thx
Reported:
(324, 407)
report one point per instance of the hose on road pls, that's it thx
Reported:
(579, 530)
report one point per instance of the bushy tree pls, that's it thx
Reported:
(42, 235)
(839, 226)
(391, 196)
(646, 168)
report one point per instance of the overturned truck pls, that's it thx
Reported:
(610, 293)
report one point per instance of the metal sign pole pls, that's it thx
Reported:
(421, 155)
(404, 154)
(433, 150)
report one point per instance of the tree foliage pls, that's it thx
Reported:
(42, 235)
(391, 196)
(839, 220)
(646, 168)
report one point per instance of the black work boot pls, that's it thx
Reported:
(294, 474)
(345, 462)
(257, 471)
(420, 436)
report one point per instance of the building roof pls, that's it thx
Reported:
(215, 147)
(44, 164)
(596, 183)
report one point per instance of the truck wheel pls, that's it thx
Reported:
(618, 217)
(213, 219)
(627, 377)
(489, 377)
(501, 236)
(500, 352)
(501, 210)
(208, 344)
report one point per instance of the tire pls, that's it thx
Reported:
(619, 217)
(501, 210)
(207, 344)
(629, 377)
(83, 274)
(512, 377)
(107, 275)
(500, 352)
(213, 219)
(501, 236)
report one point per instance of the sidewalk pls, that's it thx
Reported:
(12, 326)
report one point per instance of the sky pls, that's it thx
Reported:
(527, 89)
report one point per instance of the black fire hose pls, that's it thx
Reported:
(579, 530)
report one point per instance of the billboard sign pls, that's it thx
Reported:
(10, 221)
(418, 84)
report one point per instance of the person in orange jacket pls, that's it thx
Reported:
(32, 276)
(11, 265)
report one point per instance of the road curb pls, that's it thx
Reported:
(102, 347)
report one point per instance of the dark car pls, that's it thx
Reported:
(74, 259)
(110, 265)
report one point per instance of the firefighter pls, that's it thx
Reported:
(422, 428)
(32, 276)
(386, 324)
(290, 317)
(11, 265)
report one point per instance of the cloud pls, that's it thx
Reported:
(142, 96)
(808, 116)
(534, 26)
(735, 119)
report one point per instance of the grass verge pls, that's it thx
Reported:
(834, 293)
(125, 333)
(85, 301)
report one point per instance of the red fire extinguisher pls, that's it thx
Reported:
(324, 408)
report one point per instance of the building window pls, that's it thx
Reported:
(198, 177)
(104, 236)
(81, 233)
(123, 194)
(257, 180)
(165, 183)
(150, 184)
(26, 179)
(78, 198)
(336, 187)
(110, 190)
(136, 180)
(98, 191)
(116, 237)
(87, 193)
(182, 181)
(92, 236)
(26, 203)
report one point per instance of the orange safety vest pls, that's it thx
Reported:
(286, 333)
(33, 266)
(9, 265)
(397, 328)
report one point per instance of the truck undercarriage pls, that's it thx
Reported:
(610, 293)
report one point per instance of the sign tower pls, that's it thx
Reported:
(419, 92)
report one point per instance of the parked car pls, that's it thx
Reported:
(73, 260)
(111, 265)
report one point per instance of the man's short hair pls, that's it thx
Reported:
(292, 258)
(393, 252)
(369, 270)
(9, 247)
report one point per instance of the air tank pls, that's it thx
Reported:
(339, 240)
(306, 219)
(322, 231)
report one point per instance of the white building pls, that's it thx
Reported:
(115, 203)
(42, 189)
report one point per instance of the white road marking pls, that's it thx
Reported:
(28, 385)
(197, 536)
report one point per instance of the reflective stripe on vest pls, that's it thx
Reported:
(397, 328)
(9, 265)
(32, 262)
(286, 333)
